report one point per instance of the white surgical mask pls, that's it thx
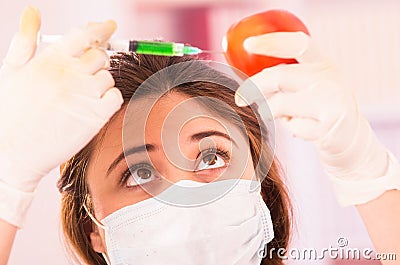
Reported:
(230, 230)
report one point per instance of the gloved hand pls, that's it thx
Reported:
(52, 105)
(313, 103)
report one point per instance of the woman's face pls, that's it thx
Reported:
(179, 139)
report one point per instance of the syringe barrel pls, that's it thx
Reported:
(157, 48)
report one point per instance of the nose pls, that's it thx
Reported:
(174, 171)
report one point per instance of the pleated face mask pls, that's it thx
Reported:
(230, 229)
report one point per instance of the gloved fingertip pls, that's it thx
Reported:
(247, 93)
(278, 44)
(250, 44)
(239, 100)
(262, 44)
(114, 96)
(99, 33)
(30, 22)
(112, 25)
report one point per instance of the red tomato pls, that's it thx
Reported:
(258, 24)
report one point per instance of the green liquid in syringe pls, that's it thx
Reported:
(157, 48)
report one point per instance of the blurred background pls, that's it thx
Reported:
(361, 36)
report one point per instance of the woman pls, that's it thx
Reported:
(88, 101)
(84, 179)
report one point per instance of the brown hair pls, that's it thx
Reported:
(130, 71)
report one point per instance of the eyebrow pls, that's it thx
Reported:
(134, 150)
(198, 136)
(149, 147)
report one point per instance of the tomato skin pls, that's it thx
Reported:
(266, 22)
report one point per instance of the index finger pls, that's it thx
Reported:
(23, 45)
(289, 45)
(93, 35)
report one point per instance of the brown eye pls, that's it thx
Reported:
(144, 173)
(140, 174)
(209, 160)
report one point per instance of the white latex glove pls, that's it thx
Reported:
(313, 104)
(52, 105)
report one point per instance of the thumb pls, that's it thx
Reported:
(293, 45)
(23, 44)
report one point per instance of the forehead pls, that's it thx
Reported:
(173, 116)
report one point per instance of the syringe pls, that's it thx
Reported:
(140, 46)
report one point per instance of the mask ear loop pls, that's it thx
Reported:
(92, 217)
(99, 225)
(106, 259)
